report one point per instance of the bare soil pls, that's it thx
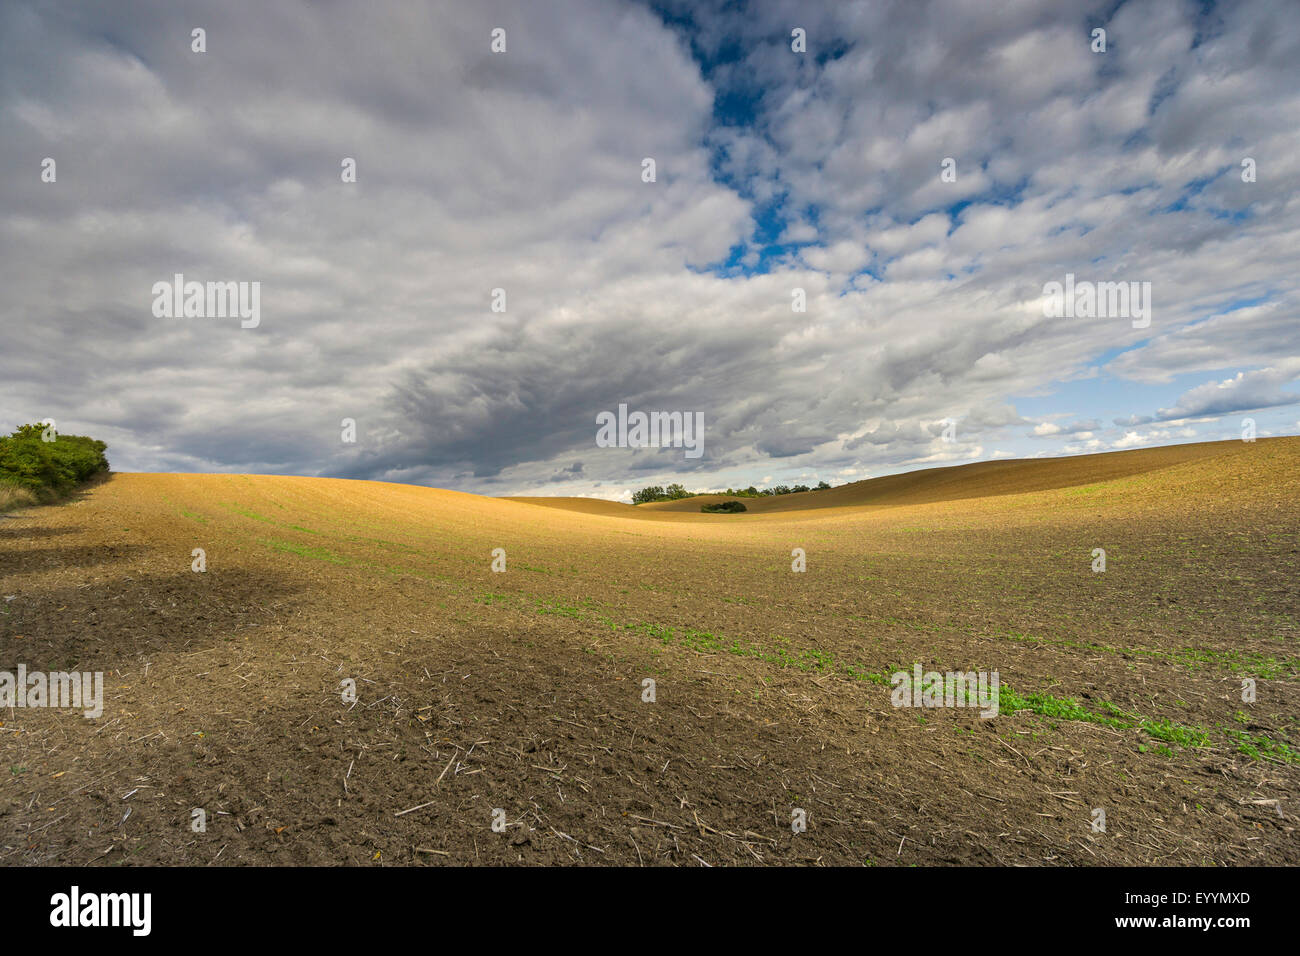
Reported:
(522, 691)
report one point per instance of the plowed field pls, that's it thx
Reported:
(523, 691)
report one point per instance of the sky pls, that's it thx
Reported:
(921, 171)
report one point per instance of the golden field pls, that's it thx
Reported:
(523, 691)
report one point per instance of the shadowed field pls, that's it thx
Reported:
(523, 691)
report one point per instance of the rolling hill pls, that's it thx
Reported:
(953, 483)
(653, 685)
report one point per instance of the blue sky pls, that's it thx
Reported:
(521, 170)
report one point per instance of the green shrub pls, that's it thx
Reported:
(48, 469)
(724, 508)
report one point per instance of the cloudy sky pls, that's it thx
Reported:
(522, 170)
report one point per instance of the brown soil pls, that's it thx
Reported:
(522, 691)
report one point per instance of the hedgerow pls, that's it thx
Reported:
(33, 468)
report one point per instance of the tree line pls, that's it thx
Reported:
(674, 492)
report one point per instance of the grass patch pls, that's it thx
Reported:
(318, 554)
(564, 610)
(14, 495)
(1262, 747)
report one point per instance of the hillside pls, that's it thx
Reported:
(524, 690)
(981, 479)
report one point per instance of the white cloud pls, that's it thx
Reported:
(1245, 391)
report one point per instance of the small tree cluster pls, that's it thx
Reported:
(49, 468)
(673, 492)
